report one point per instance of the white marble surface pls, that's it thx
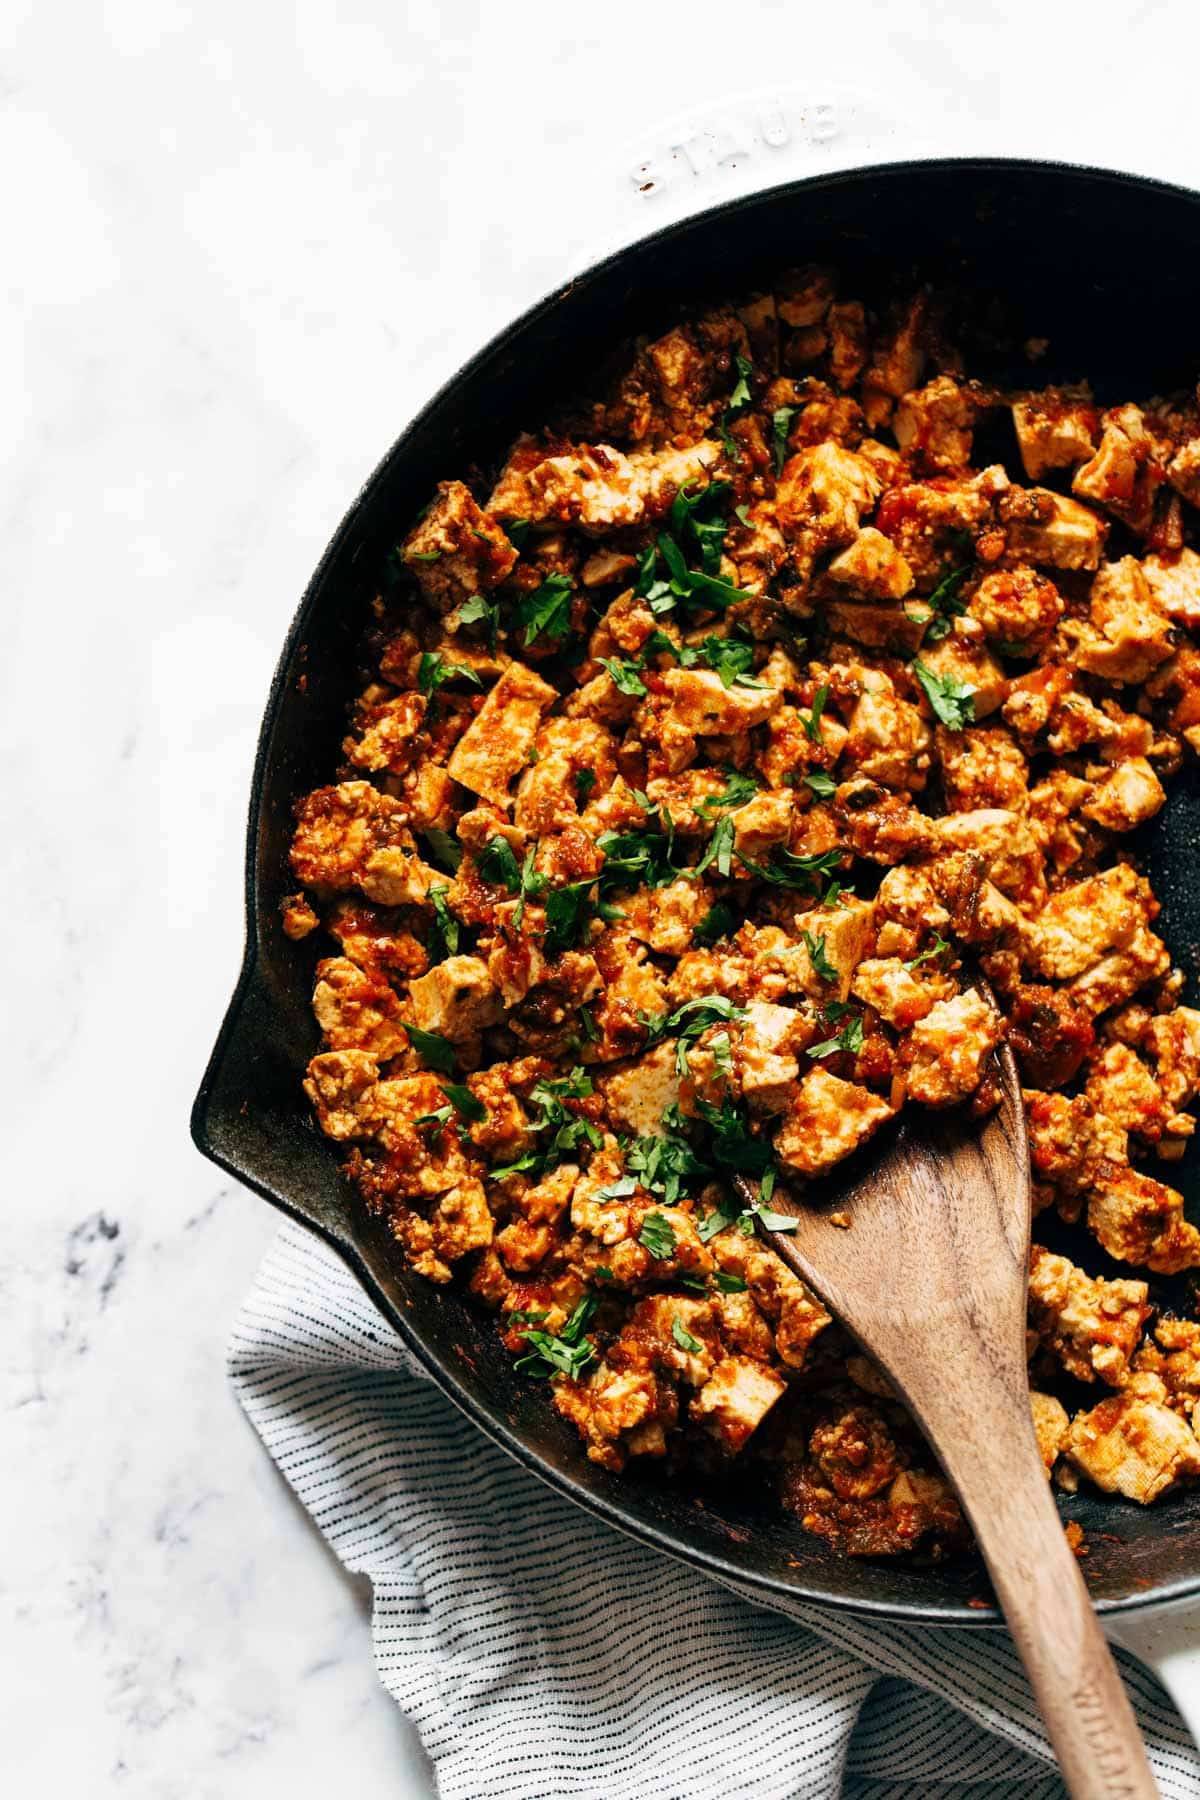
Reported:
(240, 243)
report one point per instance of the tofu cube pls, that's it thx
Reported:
(496, 744)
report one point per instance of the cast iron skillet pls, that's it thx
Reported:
(1107, 267)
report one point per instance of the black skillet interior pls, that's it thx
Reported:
(1108, 269)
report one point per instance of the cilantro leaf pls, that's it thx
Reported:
(684, 1338)
(812, 724)
(436, 1052)
(741, 395)
(663, 1164)
(738, 789)
(731, 657)
(477, 610)
(849, 1038)
(731, 1144)
(947, 603)
(717, 1220)
(445, 851)
(719, 849)
(785, 869)
(567, 1354)
(497, 863)
(817, 957)
(441, 1117)
(938, 946)
(822, 785)
(433, 673)
(445, 925)
(547, 611)
(566, 915)
(717, 923)
(657, 1236)
(465, 1103)
(781, 424)
(728, 1284)
(953, 701)
(626, 676)
(585, 781)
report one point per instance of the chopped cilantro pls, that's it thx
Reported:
(817, 957)
(547, 611)
(717, 923)
(445, 925)
(497, 863)
(585, 781)
(444, 850)
(849, 1038)
(737, 790)
(719, 849)
(952, 700)
(728, 1284)
(717, 1220)
(422, 556)
(465, 1103)
(938, 946)
(812, 724)
(684, 1338)
(657, 1236)
(730, 1141)
(567, 1354)
(434, 672)
(441, 1117)
(616, 1190)
(741, 395)
(947, 603)
(781, 424)
(530, 883)
(785, 869)
(477, 610)
(742, 514)
(517, 530)
(822, 785)
(566, 915)
(626, 676)
(437, 1052)
(662, 1164)
(731, 657)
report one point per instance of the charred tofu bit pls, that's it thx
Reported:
(694, 772)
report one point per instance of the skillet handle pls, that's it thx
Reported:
(726, 149)
(1167, 1639)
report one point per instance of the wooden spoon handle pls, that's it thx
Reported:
(1038, 1584)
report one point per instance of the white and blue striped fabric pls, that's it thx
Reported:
(543, 1656)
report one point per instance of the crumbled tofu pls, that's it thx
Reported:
(1052, 530)
(1139, 1220)
(639, 1095)
(1126, 634)
(1091, 1326)
(456, 549)
(357, 1011)
(1133, 1445)
(1128, 796)
(735, 1399)
(1173, 1040)
(845, 933)
(899, 995)
(1050, 1424)
(701, 704)
(1055, 430)
(336, 1084)
(949, 1047)
(1123, 475)
(456, 1000)
(595, 486)
(889, 741)
(299, 918)
(1174, 582)
(1080, 924)
(936, 424)
(496, 744)
(1118, 977)
(666, 918)
(1016, 605)
(828, 1118)
(822, 492)
(763, 821)
(872, 567)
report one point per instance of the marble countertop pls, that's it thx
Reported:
(241, 245)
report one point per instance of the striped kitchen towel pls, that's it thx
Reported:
(542, 1655)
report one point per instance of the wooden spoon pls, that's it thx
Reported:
(930, 1276)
